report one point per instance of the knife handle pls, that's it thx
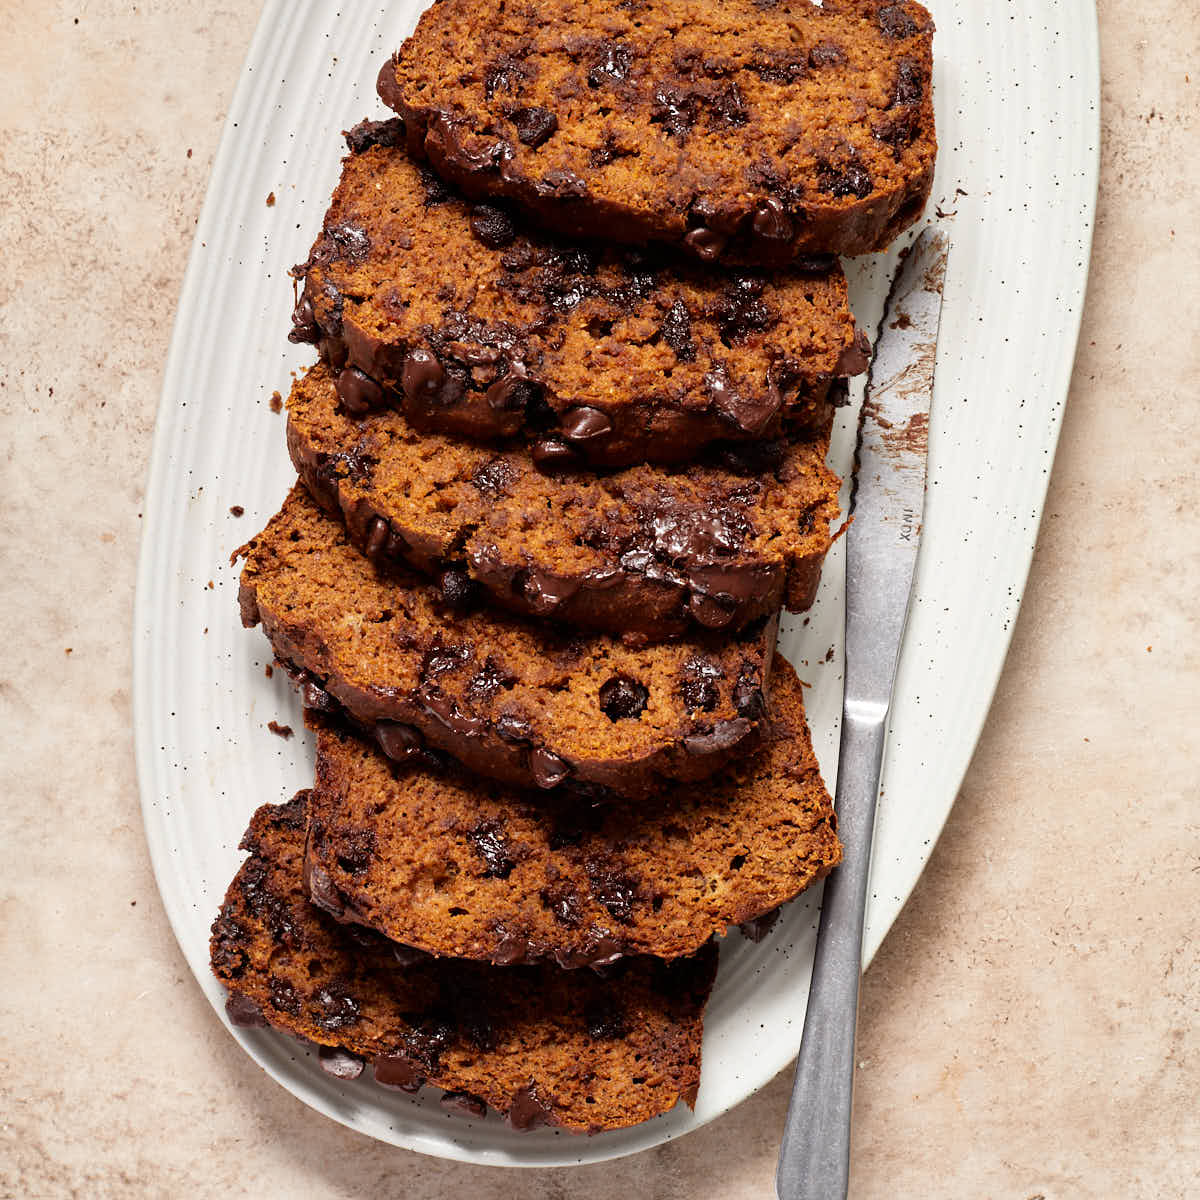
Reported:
(814, 1160)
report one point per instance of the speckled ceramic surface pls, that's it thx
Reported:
(1017, 104)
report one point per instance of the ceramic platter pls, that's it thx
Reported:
(1017, 93)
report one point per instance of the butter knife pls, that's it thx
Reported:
(887, 503)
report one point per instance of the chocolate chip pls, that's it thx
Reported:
(747, 413)
(547, 768)
(584, 424)
(358, 391)
(315, 697)
(387, 86)
(612, 887)
(748, 697)
(283, 997)
(676, 331)
(850, 179)
(437, 704)
(896, 22)
(321, 889)
(437, 191)
(398, 741)
(513, 730)
(605, 1020)
(713, 612)
(243, 1012)
(553, 454)
(675, 111)
(698, 684)
(724, 735)
(727, 108)
(339, 1063)
(463, 1104)
(512, 391)
(742, 310)
(487, 681)
(826, 54)
(561, 183)
(564, 904)
(366, 134)
(706, 244)
(501, 75)
(423, 376)
(612, 66)
(771, 222)
(377, 538)
(398, 1071)
(545, 592)
(335, 1008)
(910, 83)
(458, 589)
(534, 125)
(350, 242)
(527, 1109)
(622, 698)
(489, 844)
(304, 322)
(495, 477)
(492, 226)
(854, 358)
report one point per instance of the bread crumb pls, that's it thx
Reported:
(283, 731)
(270, 199)
(268, 670)
(276, 402)
(236, 510)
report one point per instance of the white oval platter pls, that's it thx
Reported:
(1017, 95)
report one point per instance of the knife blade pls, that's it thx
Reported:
(887, 506)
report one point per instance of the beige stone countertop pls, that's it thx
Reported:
(1030, 1028)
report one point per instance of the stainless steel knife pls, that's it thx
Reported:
(887, 503)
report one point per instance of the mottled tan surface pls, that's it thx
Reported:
(1029, 1028)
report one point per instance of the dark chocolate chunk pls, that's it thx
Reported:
(366, 134)
(548, 769)
(724, 735)
(553, 454)
(848, 179)
(706, 244)
(613, 65)
(750, 415)
(458, 589)
(675, 111)
(514, 730)
(304, 322)
(758, 928)
(622, 698)
(826, 54)
(527, 1109)
(358, 391)
(243, 1012)
(895, 22)
(321, 889)
(398, 1071)
(584, 424)
(492, 226)
(490, 845)
(535, 125)
(423, 375)
(698, 685)
(771, 221)
(398, 741)
(676, 331)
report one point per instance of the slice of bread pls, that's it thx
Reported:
(740, 131)
(540, 1045)
(650, 551)
(478, 327)
(439, 861)
(515, 700)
